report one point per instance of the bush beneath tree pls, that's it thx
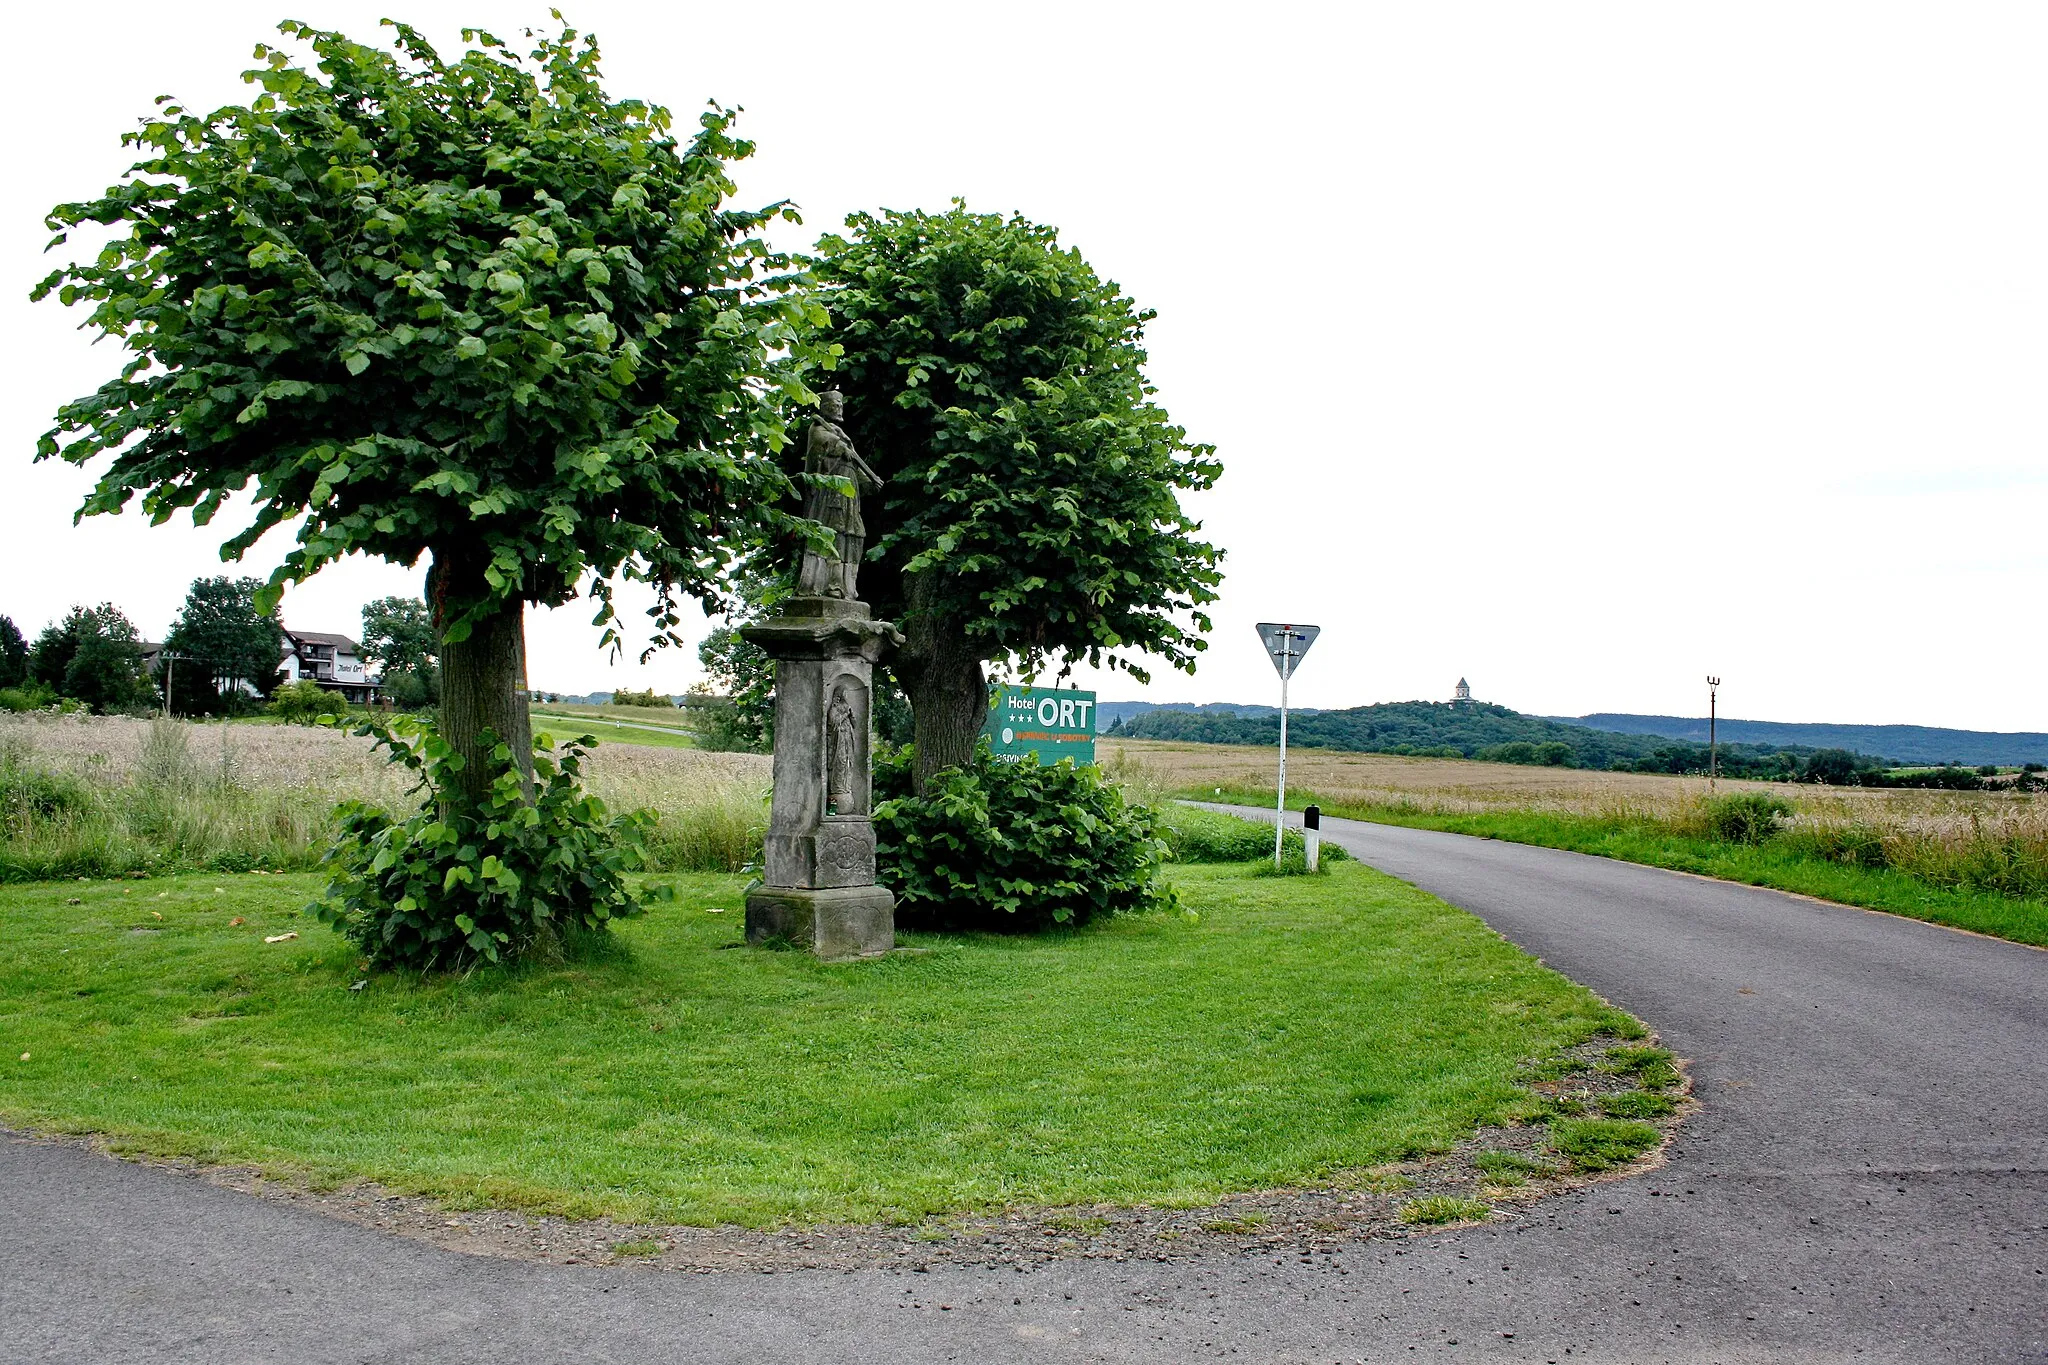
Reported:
(470, 879)
(1013, 847)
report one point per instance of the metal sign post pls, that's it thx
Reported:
(1285, 645)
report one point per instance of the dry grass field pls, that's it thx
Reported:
(89, 795)
(1462, 786)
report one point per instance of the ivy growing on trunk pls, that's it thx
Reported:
(472, 309)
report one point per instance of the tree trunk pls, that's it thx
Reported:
(942, 674)
(483, 678)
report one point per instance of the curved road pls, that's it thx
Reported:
(1867, 1180)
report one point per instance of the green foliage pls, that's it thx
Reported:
(649, 698)
(1549, 754)
(94, 656)
(226, 638)
(475, 307)
(1746, 817)
(306, 702)
(1835, 767)
(467, 880)
(1194, 835)
(13, 654)
(735, 705)
(1013, 847)
(33, 696)
(398, 632)
(1599, 1144)
(996, 383)
(414, 691)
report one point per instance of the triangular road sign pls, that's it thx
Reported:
(1286, 644)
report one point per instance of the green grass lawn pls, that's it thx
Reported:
(1289, 1029)
(563, 724)
(2020, 919)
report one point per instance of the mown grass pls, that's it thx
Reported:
(614, 729)
(1786, 863)
(1287, 1030)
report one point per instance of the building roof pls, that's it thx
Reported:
(315, 637)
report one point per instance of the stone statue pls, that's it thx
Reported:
(829, 452)
(842, 753)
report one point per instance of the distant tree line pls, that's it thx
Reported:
(1495, 734)
(221, 656)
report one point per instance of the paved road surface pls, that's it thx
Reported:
(1868, 1180)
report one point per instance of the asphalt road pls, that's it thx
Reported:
(1867, 1180)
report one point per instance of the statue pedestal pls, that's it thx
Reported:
(818, 886)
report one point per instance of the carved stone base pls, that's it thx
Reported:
(839, 922)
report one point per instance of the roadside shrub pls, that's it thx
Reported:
(1746, 817)
(1598, 1144)
(1194, 835)
(305, 702)
(1013, 847)
(468, 879)
(30, 696)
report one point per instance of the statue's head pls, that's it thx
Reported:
(832, 406)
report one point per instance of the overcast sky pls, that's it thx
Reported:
(1580, 350)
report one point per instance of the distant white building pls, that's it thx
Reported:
(1462, 692)
(333, 661)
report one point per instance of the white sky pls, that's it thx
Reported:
(1579, 349)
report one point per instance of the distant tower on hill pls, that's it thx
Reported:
(1462, 692)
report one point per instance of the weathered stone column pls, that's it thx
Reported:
(818, 887)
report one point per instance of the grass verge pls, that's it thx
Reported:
(1779, 866)
(1288, 1030)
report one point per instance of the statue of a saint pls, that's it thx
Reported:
(830, 452)
(842, 752)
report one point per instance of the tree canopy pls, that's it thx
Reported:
(227, 637)
(398, 632)
(93, 655)
(421, 304)
(13, 654)
(471, 307)
(1032, 504)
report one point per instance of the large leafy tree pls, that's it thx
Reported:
(13, 654)
(1031, 511)
(398, 632)
(94, 655)
(472, 309)
(227, 639)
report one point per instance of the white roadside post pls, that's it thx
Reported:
(1312, 836)
(1285, 644)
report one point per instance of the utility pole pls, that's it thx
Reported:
(1713, 741)
(170, 666)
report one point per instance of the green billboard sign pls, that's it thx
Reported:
(1050, 723)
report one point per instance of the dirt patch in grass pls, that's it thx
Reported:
(1494, 1174)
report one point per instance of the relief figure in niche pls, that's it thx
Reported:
(842, 754)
